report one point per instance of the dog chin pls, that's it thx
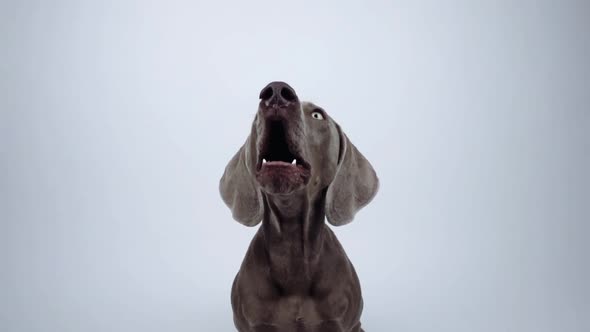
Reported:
(282, 180)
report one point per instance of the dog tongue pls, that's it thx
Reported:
(277, 163)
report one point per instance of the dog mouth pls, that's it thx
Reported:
(281, 165)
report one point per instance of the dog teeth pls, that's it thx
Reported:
(294, 162)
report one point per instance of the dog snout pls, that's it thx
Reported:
(278, 94)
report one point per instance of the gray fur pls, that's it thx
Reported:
(295, 275)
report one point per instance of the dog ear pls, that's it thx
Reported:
(354, 185)
(237, 186)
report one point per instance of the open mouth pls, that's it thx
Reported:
(280, 158)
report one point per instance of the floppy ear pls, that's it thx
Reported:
(354, 185)
(237, 186)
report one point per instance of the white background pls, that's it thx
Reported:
(117, 119)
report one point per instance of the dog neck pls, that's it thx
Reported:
(293, 229)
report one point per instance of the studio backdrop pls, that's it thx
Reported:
(117, 119)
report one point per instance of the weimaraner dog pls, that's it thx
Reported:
(296, 168)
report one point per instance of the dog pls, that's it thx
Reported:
(296, 169)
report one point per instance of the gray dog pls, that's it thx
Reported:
(296, 168)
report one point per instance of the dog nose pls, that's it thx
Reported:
(278, 93)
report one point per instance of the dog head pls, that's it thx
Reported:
(296, 147)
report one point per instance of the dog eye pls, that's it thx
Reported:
(317, 115)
